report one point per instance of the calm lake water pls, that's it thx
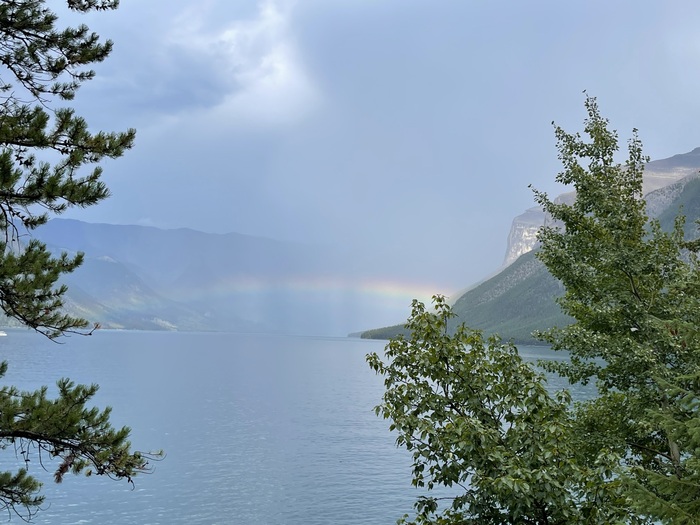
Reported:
(258, 429)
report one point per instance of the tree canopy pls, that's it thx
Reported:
(634, 292)
(478, 418)
(49, 162)
(48, 156)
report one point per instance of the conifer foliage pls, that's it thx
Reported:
(49, 162)
(42, 67)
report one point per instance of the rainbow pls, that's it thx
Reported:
(385, 290)
(334, 306)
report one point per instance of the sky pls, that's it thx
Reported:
(404, 131)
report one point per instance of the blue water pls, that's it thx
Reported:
(258, 429)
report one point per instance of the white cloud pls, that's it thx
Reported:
(255, 60)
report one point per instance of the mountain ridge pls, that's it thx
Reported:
(521, 296)
(658, 174)
(142, 277)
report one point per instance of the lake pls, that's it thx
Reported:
(258, 429)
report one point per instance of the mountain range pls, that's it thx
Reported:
(521, 297)
(138, 277)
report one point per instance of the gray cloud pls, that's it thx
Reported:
(406, 130)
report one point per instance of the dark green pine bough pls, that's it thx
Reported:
(42, 67)
(479, 420)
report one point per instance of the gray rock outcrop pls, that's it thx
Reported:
(663, 181)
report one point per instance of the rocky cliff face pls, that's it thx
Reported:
(660, 199)
(523, 234)
(663, 182)
(523, 231)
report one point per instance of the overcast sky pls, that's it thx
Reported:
(408, 130)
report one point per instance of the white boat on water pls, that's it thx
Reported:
(3, 333)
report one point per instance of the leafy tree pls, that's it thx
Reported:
(634, 292)
(480, 421)
(44, 154)
(477, 418)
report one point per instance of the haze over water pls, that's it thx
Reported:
(258, 429)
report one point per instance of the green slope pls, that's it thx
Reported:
(521, 298)
(688, 203)
(513, 303)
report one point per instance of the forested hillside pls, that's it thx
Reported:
(522, 297)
